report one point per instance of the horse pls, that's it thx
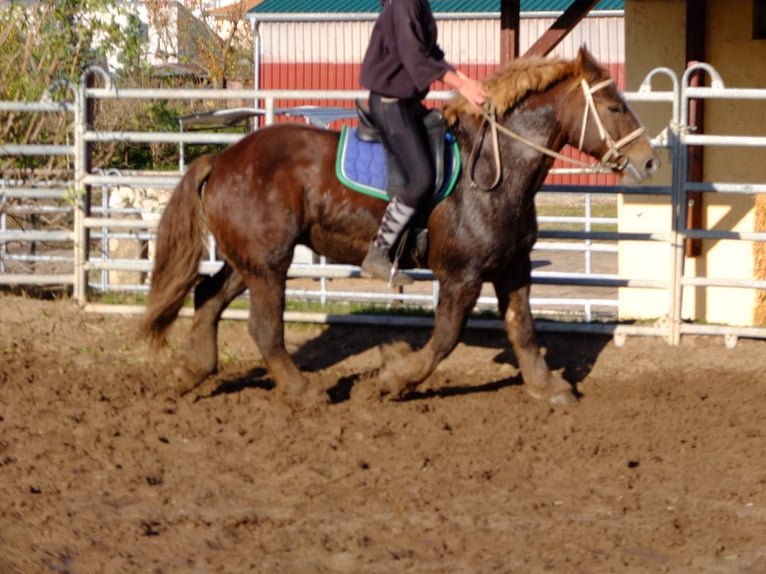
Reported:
(277, 188)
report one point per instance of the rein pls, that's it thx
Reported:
(612, 159)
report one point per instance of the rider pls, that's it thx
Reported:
(402, 60)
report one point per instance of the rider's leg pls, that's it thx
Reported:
(377, 263)
(401, 123)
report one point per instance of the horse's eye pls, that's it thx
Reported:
(615, 109)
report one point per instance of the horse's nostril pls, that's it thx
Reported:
(652, 165)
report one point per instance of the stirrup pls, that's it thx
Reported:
(398, 278)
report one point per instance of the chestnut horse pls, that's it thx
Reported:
(277, 188)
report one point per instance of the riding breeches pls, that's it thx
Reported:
(404, 134)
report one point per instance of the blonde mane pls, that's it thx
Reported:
(510, 84)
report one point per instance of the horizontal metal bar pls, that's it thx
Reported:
(6, 106)
(34, 209)
(31, 193)
(603, 235)
(228, 94)
(718, 140)
(35, 150)
(27, 257)
(730, 235)
(717, 187)
(704, 92)
(119, 223)
(581, 247)
(578, 301)
(594, 280)
(164, 137)
(30, 279)
(36, 235)
(162, 181)
(367, 296)
(608, 189)
(723, 330)
(723, 282)
(650, 97)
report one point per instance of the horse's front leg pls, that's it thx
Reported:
(406, 372)
(540, 381)
(211, 297)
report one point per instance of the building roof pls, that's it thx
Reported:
(367, 6)
(235, 9)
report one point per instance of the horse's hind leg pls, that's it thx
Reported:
(406, 372)
(211, 297)
(266, 326)
(540, 382)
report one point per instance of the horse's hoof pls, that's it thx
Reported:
(562, 398)
(186, 381)
(302, 395)
(389, 386)
(556, 391)
(314, 398)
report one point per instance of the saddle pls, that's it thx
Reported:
(437, 131)
(365, 165)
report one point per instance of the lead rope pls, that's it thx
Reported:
(490, 120)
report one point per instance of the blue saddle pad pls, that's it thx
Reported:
(362, 165)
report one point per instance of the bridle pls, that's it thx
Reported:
(620, 161)
(613, 159)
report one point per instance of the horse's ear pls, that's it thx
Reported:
(587, 66)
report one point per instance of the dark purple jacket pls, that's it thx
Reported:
(403, 58)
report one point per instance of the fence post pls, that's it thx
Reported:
(84, 121)
(80, 170)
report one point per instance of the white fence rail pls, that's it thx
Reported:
(575, 273)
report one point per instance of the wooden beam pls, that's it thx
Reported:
(696, 15)
(510, 16)
(577, 10)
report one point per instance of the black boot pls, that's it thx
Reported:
(376, 263)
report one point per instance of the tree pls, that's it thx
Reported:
(50, 43)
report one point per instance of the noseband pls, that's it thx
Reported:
(612, 159)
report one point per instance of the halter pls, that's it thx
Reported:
(612, 159)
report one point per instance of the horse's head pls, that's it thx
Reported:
(599, 122)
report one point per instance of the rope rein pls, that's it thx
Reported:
(612, 159)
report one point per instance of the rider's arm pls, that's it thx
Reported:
(470, 89)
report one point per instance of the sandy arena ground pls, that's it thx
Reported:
(661, 467)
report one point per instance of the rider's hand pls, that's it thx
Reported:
(474, 92)
(471, 90)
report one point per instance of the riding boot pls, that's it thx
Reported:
(377, 263)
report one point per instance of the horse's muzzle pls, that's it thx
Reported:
(636, 170)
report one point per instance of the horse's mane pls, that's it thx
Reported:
(509, 85)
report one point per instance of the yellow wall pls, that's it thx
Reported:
(655, 36)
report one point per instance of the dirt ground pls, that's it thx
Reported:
(103, 469)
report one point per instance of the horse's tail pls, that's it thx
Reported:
(180, 248)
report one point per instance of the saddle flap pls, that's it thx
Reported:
(393, 177)
(367, 131)
(436, 128)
